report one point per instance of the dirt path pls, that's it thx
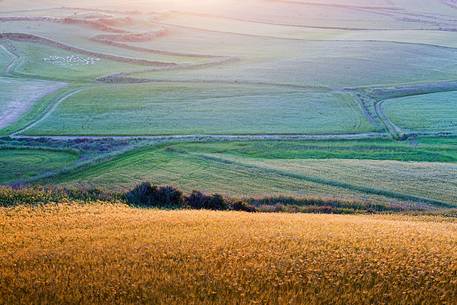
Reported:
(202, 138)
(393, 129)
(364, 101)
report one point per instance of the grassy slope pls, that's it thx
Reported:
(267, 168)
(172, 108)
(429, 112)
(422, 149)
(190, 172)
(334, 64)
(109, 254)
(20, 164)
(427, 180)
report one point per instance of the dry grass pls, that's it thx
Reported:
(108, 254)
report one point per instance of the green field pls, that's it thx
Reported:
(420, 150)
(174, 108)
(22, 164)
(289, 168)
(436, 112)
(190, 172)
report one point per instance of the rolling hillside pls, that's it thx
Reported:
(295, 78)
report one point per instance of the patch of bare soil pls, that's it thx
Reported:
(19, 105)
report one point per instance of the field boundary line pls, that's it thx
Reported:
(214, 137)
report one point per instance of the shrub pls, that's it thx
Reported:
(242, 207)
(217, 202)
(148, 195)
(167, 196)
(141, 194)
(198, 200)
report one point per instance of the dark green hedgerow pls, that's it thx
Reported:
(146, 195)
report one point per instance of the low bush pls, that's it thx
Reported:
(147, 195)
(198, 200)
(242, 207)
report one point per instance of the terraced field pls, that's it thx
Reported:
(358, 96)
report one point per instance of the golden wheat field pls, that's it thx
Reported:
(114, 254)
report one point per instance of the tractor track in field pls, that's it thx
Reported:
(363, 100)
(391, 127)
(333, 183)
(14, 60)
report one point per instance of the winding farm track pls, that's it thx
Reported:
(393, 129)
